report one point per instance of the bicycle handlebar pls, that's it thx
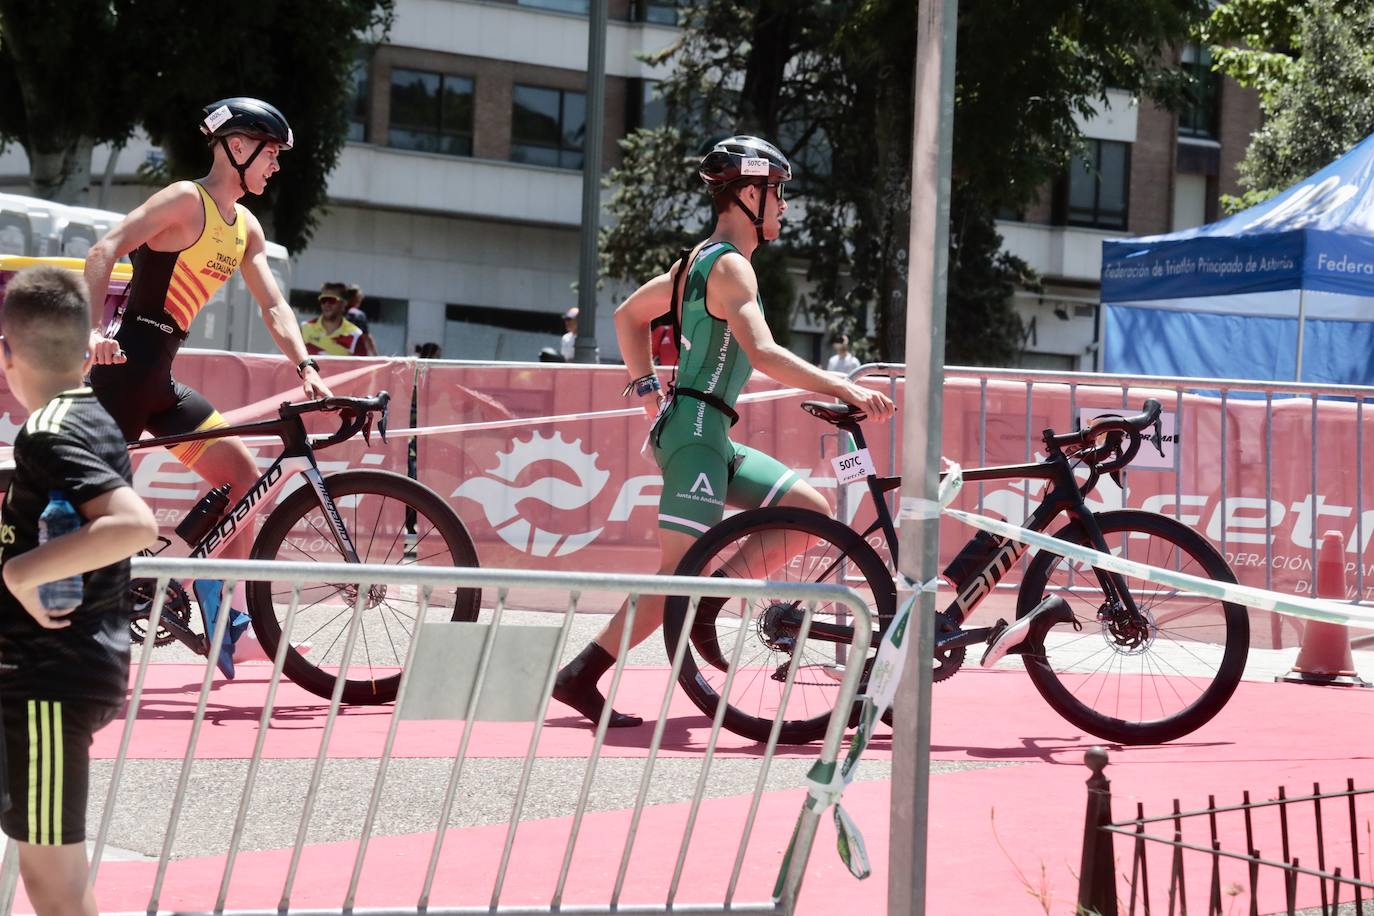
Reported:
(355, 415)
(1110, 429)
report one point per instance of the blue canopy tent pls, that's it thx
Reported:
(1282, 291)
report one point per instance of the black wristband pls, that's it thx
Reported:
(643, 385)
(309, 362)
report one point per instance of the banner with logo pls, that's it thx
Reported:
(582, 493)
(247, 387)
(563, 482)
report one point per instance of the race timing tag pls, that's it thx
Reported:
(753, 166)
(852, 466)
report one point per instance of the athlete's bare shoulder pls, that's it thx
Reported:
(181, 195)
(733, 281)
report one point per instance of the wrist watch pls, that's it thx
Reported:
(307, 363)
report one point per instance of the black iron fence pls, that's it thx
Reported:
(1301, 854)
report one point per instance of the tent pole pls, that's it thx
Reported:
(1302, 318)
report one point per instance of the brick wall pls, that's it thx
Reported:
(1240, 117)
(1152, 170)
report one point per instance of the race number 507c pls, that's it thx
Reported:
(852, 466)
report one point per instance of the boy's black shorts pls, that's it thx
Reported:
(47, 762)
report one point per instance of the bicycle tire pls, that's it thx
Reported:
(705, 659)
(1064, 683)
(310, 670)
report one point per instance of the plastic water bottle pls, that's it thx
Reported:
(59, 518)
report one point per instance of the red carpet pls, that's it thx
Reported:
(998, 838)
(231, 724)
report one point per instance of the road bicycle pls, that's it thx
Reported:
(354, 516)
(1120, 658)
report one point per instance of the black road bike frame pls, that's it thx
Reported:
(1066, 496)
(297, 457)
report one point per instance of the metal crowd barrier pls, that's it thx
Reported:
(1232, 487)
(489, 689)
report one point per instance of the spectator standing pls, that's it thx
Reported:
(355, 314)
(567, 346)
(331, 333)
(842, 361)
(66, 666)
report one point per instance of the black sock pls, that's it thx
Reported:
(576, 686)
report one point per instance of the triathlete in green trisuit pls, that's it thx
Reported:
(722, 338)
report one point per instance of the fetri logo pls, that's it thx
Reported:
(533, 479)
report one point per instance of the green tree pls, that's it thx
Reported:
(1314, 67)
(60, 89)
(149, 63)
(1024, 69)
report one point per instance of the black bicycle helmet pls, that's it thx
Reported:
(249, 118)
(744, 160)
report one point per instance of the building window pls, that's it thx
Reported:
(559, 6)
(644, 107)
(1202, 114)
(662, 12)
(1095, 191)
(358, 100)
(431, 112)
(548, 127)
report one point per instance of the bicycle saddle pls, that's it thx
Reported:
(833, 413)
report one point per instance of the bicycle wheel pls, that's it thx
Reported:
(1121, 681)
(374, 507)
(785, 545)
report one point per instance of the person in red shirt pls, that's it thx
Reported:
(664, 347)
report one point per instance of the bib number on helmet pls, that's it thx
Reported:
(852, 466)
(753, 166)
(217, 117)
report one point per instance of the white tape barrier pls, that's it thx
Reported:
(451, 428)
(1321, 609)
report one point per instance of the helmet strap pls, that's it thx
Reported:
(755, 218)
(241, 167)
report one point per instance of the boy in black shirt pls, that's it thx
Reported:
(65, 672)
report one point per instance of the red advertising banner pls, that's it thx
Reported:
(246, 387)
(563, 480)
(581, 493)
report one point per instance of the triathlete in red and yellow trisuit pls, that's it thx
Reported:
(185, 242)
(169, 289)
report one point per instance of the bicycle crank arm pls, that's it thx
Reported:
(187, 637)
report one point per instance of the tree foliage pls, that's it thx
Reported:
(155, 63)
(1313, 64)
(833, 83)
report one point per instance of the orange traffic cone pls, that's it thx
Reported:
(1325, 654)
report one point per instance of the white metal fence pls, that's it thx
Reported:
(508, 676)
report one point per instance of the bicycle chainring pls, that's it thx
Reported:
(176, 605)
(947, 662)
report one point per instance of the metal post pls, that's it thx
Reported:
(1097, 872)
(1302, 320)
(586, 351)
(932, 145)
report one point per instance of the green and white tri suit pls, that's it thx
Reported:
(702, 469)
